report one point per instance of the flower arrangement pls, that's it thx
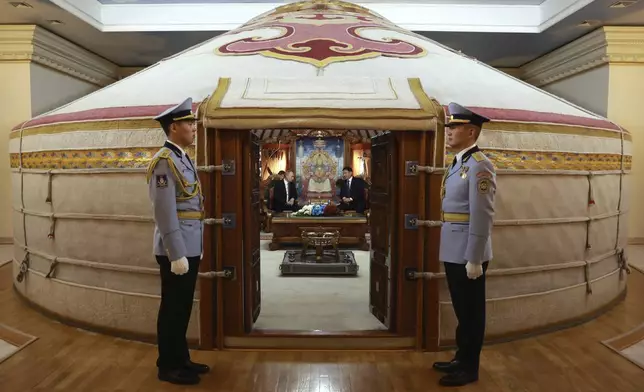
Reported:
(316, 209)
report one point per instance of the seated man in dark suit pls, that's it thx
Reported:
(285, 194)
(275, 178)
(352, 193)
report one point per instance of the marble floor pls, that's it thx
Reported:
(334, 303)
(6, 349)
(635, 257)
(6, 254)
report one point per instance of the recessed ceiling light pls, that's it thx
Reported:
(623, 4)
(587, 23)
(55, 22)
(20, 4)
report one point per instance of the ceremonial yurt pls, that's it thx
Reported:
(326, 70)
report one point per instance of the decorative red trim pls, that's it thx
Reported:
(519, 115)
(152, 110)
(101, 114)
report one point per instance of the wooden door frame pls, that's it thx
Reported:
(208, 303)
(417, 328)
(430, 294)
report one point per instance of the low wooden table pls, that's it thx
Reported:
(287, 229)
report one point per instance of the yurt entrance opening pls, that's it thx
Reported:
(315, 261)
(358, 297)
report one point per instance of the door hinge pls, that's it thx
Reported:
(412, 168)
(227, 168)
(227, 221)
(226, 273)
(413, 274)
(412, 222)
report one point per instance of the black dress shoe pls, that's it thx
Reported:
(180, 377)
(198, 368)
(447, 367)
(458, 379)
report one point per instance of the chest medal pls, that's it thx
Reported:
(464, 170)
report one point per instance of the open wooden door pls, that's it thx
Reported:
(381, 227)
(252, 211)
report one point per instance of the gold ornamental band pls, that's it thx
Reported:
(548, 160)
(139, 158)
(117, 158)
(455, 217)
(195, 215)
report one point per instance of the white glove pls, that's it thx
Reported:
(179, 267)
(473, 270)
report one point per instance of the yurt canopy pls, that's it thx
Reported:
(326, 64)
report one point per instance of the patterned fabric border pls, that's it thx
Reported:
(545, 160)
(89, 159)
(139, 157)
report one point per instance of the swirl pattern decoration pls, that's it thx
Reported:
(321, 38)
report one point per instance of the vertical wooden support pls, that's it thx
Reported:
(206, 287)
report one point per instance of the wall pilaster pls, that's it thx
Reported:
(38, 72)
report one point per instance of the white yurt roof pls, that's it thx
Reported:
(338, 47)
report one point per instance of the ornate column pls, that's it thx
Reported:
(39, 71)
(603, 71)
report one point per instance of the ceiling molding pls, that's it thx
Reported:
(606, 45)
(625, 44)
(124, 72)
(30, 43)
(516, 72)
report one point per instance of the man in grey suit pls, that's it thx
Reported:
(177, 201)
(469, 187)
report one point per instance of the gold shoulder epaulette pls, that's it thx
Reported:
(164, 153)
(478, 156)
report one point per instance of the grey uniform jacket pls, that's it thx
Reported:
(468, 194)
(177, 204)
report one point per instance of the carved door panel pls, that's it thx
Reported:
(252, 210)
(381, 227)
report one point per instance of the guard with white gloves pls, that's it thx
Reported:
(468, 190)
(177, 201)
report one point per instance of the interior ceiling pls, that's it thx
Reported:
(138, 49)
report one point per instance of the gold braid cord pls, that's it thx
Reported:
(181, 180)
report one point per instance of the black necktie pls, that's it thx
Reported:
(454, 162)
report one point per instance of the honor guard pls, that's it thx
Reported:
(468, 189)
(177, 205)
